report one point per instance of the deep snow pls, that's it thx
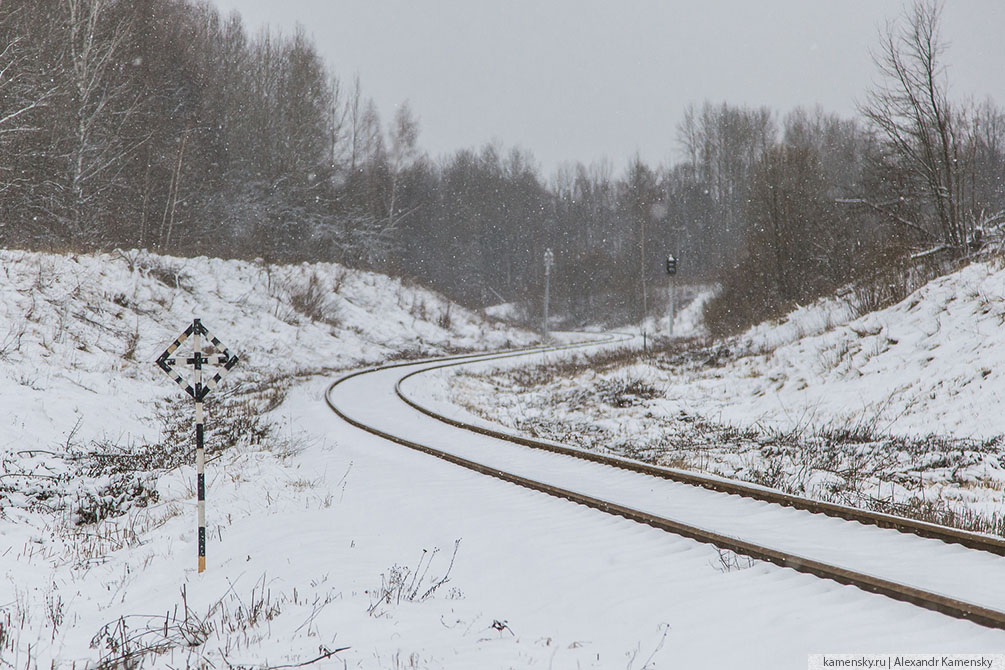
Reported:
(319, 534)
(898, 409)
(83, 403)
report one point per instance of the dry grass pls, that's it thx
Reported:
(847, 462)
(401, 583)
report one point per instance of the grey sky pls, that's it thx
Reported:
(585, 79)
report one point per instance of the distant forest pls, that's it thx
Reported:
(160, 124)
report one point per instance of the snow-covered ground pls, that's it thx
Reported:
(78, 334)
(321, 536)
(897, 409)
(91, 431)
(324, 544)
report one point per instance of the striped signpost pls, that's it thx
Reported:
(198, 389)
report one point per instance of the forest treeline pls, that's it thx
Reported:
(161, 124)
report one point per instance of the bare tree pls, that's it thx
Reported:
(639, 197)
(364, 128)
(722, 144)
(921, 127)
(27, 96)
(21, 90)
(987, 193)
(403, 149)
(101, 103)
(792, 224)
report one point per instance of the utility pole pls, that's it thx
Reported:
(549, 260)
(671, 273)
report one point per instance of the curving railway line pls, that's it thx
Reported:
(953, 572)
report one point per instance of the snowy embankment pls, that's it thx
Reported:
(96, 476)
(78, 334)
(897, 409)
(931, 364)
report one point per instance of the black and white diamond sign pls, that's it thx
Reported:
(198, 388)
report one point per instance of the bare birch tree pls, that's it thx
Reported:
(101, 104)
(403, 149)
(21, 87)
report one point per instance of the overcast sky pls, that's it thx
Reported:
(585, 79)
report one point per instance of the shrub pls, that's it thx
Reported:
(626, 391)
(166, 273)
(313, 301)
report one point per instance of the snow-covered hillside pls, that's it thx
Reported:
(96, 442)
(79, 334)
(898, 409)
(934, 363)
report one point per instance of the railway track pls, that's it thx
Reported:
(920, 536)
(995, 545)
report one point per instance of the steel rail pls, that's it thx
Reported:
(932, 601)
(989, 543)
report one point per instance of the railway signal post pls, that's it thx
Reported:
(671, 273)
(198, 389)
(549, 260)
